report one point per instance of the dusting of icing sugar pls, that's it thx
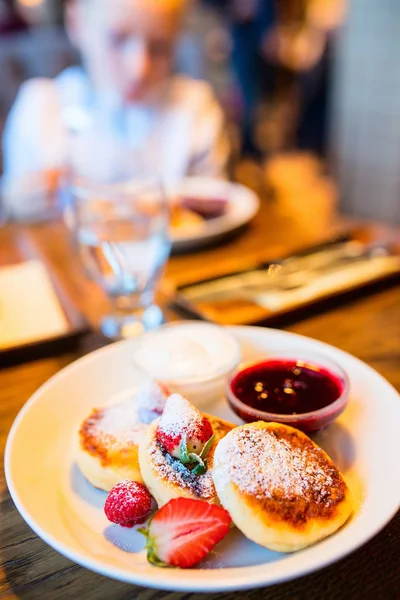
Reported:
(179, 415)
(151, 401)
(282, 467)
(124, 423)
(120, 423)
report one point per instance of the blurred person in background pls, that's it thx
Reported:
(281, 58)
(250, 22)
(124, 103)
(301, 48)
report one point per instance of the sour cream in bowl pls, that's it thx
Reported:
(191, 358)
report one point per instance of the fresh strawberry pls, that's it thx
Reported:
(128, 503)
(184, 432)
(184, 531)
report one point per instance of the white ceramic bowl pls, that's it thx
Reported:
(192, 358)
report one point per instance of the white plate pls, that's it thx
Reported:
(243, 205)
(55, 500)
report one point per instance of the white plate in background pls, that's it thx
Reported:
(243, 205)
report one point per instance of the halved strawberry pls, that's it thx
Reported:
(185, 433)
(184, 531)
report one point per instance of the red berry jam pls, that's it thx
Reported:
(287, 387)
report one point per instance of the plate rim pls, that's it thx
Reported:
(135, 578)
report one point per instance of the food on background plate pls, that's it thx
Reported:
(281, 490)
(184, 531)
(108, 440)
(207, 207)
(182, 218)
(198, 200)
(177, 452)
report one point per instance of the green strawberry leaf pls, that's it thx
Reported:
(207, 447)
(183, 452)
(190, 459)
(195, 458)
(200, 469)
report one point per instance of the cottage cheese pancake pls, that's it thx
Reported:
(108, 440)
(281, 489)
(165, 475)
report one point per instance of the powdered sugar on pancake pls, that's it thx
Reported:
(274, 464)
(123, 424)
(151, 401)
(118, 424)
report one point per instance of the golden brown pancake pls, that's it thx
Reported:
(281, 490)
(108, 444)
(166, 477)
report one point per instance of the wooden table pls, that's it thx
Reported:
(369, 328)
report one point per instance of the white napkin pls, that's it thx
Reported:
(29, 308)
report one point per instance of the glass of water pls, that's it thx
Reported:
(122, 231)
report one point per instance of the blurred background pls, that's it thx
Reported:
(307, 86)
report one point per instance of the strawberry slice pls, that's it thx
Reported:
(184, 531)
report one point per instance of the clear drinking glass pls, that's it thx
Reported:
(122, 234)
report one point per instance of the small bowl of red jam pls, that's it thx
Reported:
(305, 392)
